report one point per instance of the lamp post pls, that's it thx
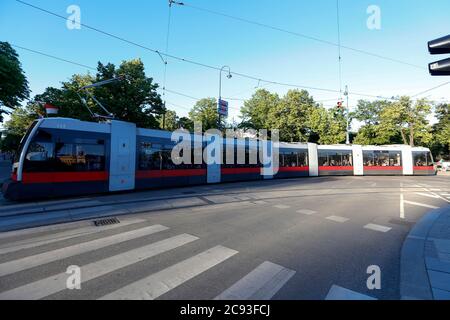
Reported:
(347, 141)
(229, 76)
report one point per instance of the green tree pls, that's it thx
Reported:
(369, 112)
(291, 116)
(16, 127)
(205, 111)
(255, 110)
(134, 99)
(408, 120)
(13, 83)
(441, 132)
(171, 121)
(328, 125)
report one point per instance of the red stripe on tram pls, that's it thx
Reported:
(170, 173)
(227, 171)
(59, 177)
(339, 168)
(381, 168)
(293, 169)
(426, 168)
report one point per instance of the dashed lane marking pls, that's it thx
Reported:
(337, 219)
(377, 227)
(306, 211)
(281, 206)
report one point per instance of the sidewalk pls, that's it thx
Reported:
(425, 260)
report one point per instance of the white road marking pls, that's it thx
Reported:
(338, 219)
(59, 254)
(377, 227)
(260, 284)
(445, 194)
(436, 195)
(52, 238)
(306, 211)
(281, 206)
(402, 206)
(167, 279)
(260, 202)
(435, 190)
(340, 293)
(53, 284)
(420, 204)
(427, 195)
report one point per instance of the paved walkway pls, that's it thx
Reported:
(425, 265)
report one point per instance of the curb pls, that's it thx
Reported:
(74, 214)
(414, 281)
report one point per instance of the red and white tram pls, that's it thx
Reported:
(65, 157)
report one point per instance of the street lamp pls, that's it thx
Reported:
(229, 76)
(347, 141)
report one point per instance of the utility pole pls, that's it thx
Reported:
(347, 141)
(220, 102)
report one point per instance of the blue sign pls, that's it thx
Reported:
(223, 108)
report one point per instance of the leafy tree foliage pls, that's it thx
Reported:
(13, 83)
(205, 111)
(441, 132)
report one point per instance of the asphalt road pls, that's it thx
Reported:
(285, 239)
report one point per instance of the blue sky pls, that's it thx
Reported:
(406, 26)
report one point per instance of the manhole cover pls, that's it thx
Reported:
(106, 222)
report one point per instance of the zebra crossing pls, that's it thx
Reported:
(261, 283)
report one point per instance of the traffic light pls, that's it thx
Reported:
(440, 46)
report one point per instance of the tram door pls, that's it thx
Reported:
(122, 156)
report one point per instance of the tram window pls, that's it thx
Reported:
(422, 159)
(368, 158)
(80, 157)
(39, 157)
(90, 157)
(40, 151)
(293, 159)
(395, 159)
(24, 140)
(302, 159)
(335, 158)
(381, 158)
(290, 159)
(150, 156)
(323, 159)
(166, 157)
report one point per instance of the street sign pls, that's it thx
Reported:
(223, 108)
